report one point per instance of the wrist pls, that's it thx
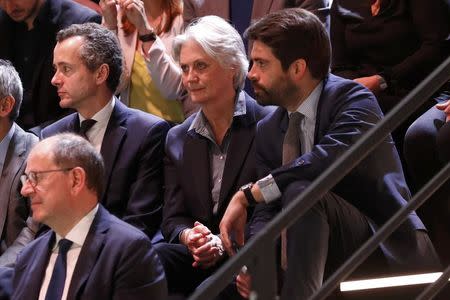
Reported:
(248, 195)
(183, 236)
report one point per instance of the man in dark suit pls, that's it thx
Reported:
(15, 144)
(210, 155)
(88, 253)
(332, 114)
(88, 63)
(27, 31)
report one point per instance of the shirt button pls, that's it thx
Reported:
(221, 157)
(220, 180)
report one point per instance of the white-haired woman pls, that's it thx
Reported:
(209, 156)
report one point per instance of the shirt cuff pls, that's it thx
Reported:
(269, 188)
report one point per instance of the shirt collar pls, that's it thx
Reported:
(80, 231)
(308, 108)
(4, 145)
(103, 115)
(199, 124)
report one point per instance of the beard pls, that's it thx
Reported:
(282, 91)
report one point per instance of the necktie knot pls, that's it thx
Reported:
(85, 126)
(64, 246)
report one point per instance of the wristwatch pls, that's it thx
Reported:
(149, 37)
(247, 189)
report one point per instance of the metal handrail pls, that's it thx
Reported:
(327, 180)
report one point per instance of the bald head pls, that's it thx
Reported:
(69, 150)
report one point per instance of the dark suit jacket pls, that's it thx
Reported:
(14, 208)
(116, 262)
(187, 172)
(61, 14)
(346, 110)
(133, 150)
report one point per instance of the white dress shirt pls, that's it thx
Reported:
(77, 235)
(308, 109)
(96, 133)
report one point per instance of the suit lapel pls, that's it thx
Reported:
(92, 247)
(113, 139)
(241, 140)
(37, 264)
(196, 166)
(14, 160)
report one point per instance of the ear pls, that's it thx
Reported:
(102, 74)
(78, 180)
(297, 69)
(6, 106)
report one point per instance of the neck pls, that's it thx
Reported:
(73, 216)
(303, 93)
(220, 116)
(94, 105)
(30, 20)
(5, 126)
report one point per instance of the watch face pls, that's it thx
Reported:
(246, 186)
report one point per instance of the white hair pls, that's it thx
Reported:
(11, 85)
(220, 41)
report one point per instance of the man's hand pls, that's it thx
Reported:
(109, 12)
(370, 82)
(445, 107)
(233, 222)
(244, 283)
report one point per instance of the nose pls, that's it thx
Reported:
(26, 189)
(191, 76)
(252, 75)
(56, 81)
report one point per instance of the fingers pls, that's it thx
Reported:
(445, 107)
(243, 285)
(224, 235)
(206, 256)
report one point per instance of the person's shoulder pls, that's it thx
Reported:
(120, 232)
(178, 132)
(72, 12)
(58, 126)
(140, 119)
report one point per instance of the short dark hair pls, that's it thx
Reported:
(100, 47)
(71, 150)
(292, 34)
(11, 85)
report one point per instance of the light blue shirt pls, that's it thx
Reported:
(4, 145)
(217, 153)
(308, 110)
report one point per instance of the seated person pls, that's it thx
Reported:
(27, 33)
(426, 152)
(15, 144)
(389, 46)
(88, 253)
(88, 63)
(320, 117)
(137, 26)
(210, 155)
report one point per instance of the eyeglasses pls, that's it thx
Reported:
(33, 178)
